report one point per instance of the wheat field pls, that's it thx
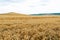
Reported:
(17, 27)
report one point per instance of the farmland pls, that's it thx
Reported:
(17, 27)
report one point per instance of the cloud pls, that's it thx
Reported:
(44, 0)
(30, 6)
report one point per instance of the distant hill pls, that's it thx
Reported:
(55, 13)
(46, 14)
(13, 13)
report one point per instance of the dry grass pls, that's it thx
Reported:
(30, 28)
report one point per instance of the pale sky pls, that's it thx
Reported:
(30, 6)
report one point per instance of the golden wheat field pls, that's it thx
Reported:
(23, 27)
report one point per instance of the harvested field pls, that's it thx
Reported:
(14, 27)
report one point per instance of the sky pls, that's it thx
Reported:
(30, 6)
